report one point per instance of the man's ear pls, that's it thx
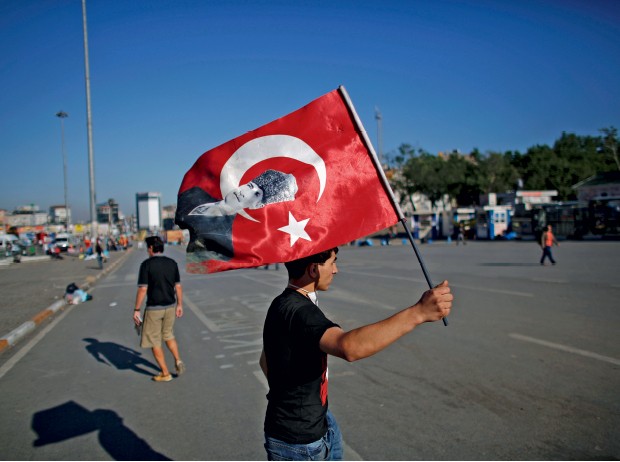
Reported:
(313, 271)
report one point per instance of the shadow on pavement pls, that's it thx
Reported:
(70, 420)
(509, 264)
(119, 356)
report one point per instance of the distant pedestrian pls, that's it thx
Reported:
(99, 252)
(461, 234)
(546, 242)
(159, 282)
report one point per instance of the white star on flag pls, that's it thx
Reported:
(296, 229)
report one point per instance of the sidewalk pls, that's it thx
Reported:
(33, 290)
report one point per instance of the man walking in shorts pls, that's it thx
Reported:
(159, 281)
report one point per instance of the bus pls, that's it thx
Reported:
(604, 216)
(599, 217)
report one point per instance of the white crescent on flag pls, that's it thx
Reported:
(268, 147)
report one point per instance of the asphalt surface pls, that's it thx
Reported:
(29, 289)
(528, 368)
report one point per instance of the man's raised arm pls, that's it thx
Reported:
(435, 304)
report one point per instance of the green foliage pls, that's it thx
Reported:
(572, 159)
(498, 173)
(609, 145)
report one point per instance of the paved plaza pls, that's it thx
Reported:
(528, 368)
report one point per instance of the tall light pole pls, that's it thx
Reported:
(89, 126)
(379, 135)
(62, 116)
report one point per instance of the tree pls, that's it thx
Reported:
(497, 174)
(425, 172)
(401, 183)
(539, 165)
(572, 159)
(609, 145)
(463, 178)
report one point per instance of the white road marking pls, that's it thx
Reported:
(460, 286)
(200, 315)
(279, 285)
(6, 367)
(568, 349)
(248, 352)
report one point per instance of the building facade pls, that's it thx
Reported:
(148, 211)
(59, 215)
(108, 212)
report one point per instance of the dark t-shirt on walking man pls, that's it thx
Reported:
(296, 369)
(160, 274)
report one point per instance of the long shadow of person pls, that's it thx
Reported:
(70, 420)
(119, 356)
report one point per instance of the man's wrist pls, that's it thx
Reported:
(137, 309)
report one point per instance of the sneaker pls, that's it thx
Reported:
(162, 378)
(180, 366)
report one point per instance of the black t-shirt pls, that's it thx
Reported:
(160, 274)
(296, 368)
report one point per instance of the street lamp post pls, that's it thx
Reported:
(379, 135)
(89, 128)
(62, 116)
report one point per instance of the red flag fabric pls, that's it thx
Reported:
(297, 186)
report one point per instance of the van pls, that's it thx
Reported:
(63, 241)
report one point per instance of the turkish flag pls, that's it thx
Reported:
(297, 186)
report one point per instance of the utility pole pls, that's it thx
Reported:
(89, 127)
(63, 115)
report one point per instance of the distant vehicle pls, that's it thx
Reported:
(599, 217)
(63, 241)
(604, 216)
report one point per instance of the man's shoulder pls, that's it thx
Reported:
(167, 261)
(290, 298)
(159, 259)
(289, 303)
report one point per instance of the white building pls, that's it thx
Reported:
(27, 215)
(148, 210)
(60, 215)
(598, 186)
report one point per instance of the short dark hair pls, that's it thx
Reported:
(156, 243)
(297, 268)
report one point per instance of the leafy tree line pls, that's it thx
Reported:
(464, 178)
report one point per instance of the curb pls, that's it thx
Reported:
(20, 332)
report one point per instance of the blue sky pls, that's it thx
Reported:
(172, 79)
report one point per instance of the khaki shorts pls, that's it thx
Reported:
(157, 326)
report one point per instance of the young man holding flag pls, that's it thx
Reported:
(328, 189)
(297, 338)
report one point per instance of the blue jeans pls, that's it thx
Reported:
(327, 448)
(547, 253)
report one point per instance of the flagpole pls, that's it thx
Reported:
(386, 184)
